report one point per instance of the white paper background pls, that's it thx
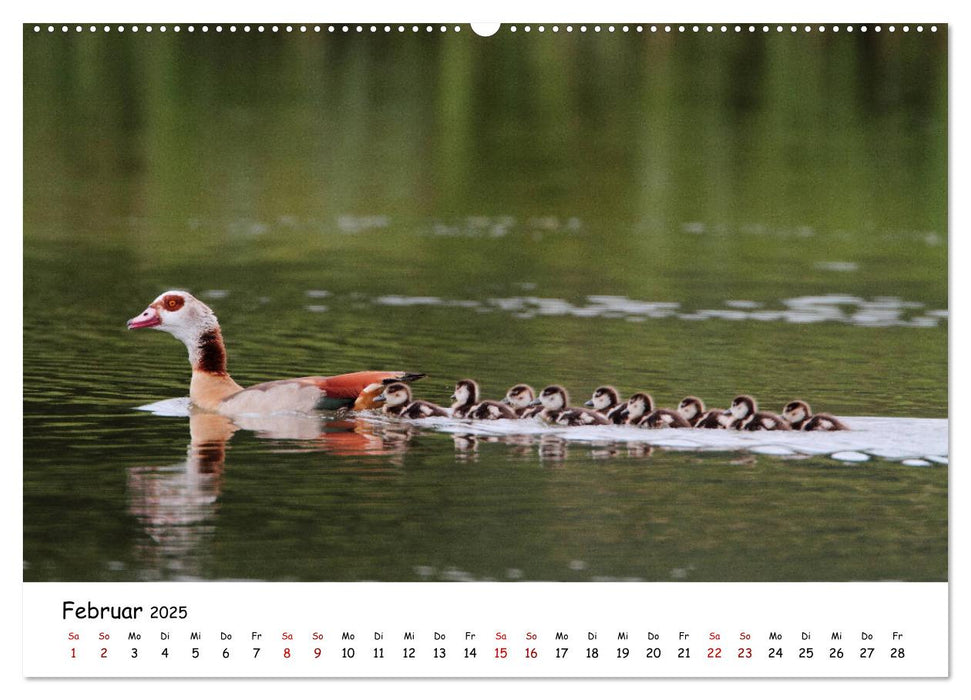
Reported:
(507, 10)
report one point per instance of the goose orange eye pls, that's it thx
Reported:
(173, 302)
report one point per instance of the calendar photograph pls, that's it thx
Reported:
(584, 303)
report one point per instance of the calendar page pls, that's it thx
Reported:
(524, 350)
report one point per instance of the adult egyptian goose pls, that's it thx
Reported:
(801, 416)
(212, 389)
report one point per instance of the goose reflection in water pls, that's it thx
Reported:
(177, 504)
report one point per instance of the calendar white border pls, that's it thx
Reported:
(508, 10)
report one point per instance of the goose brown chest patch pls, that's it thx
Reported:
(212, 353)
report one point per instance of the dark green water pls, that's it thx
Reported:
(702, 214)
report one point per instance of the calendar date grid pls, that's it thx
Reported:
(398, 630)
(499, 648)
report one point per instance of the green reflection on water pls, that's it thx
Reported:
(693, 170)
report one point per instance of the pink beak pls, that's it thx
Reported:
(148, 318)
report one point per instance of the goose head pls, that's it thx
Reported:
(519, 396)
(691, 407)
(796, 411)
(604, 397)
(742, 407)
(396, 394)
(178, 313)
(553, 398)
(638, 405)
(466, 393)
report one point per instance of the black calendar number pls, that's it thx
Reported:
(835, 653)
(225, 653)
(684, 653)
(653, 653)
(775, 652)
(256, 651)
(440, 652)
(470, 653)
(806, 653)
(561, 652)
(593, 653)
(378, 652)
(169, 612)
(134, 653)
(165, 652)
(897, 653)
(866, 652)
(408, 652)
(623, 653)
(347, 652)
(195, 652)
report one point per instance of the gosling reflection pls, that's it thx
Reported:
(639, 450)
(553, 448)
(466, 447)
(550, 448)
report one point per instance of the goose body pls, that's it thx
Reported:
(465, 396)
(366, 400)
(492, 410)
(664, 418)
(638, 406)
(716, 420)
(606, 401)
(556, 409)
(398, 402)
(468, 405)
(746, 416)
(693, 410)
(800, 415)
(212, 389)
(763, 420)
(580, 416)
(423, 409)
(521, 398)
(641, 412)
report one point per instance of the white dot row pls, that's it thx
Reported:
(694, 28)
(345, 28)
(247, 28)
